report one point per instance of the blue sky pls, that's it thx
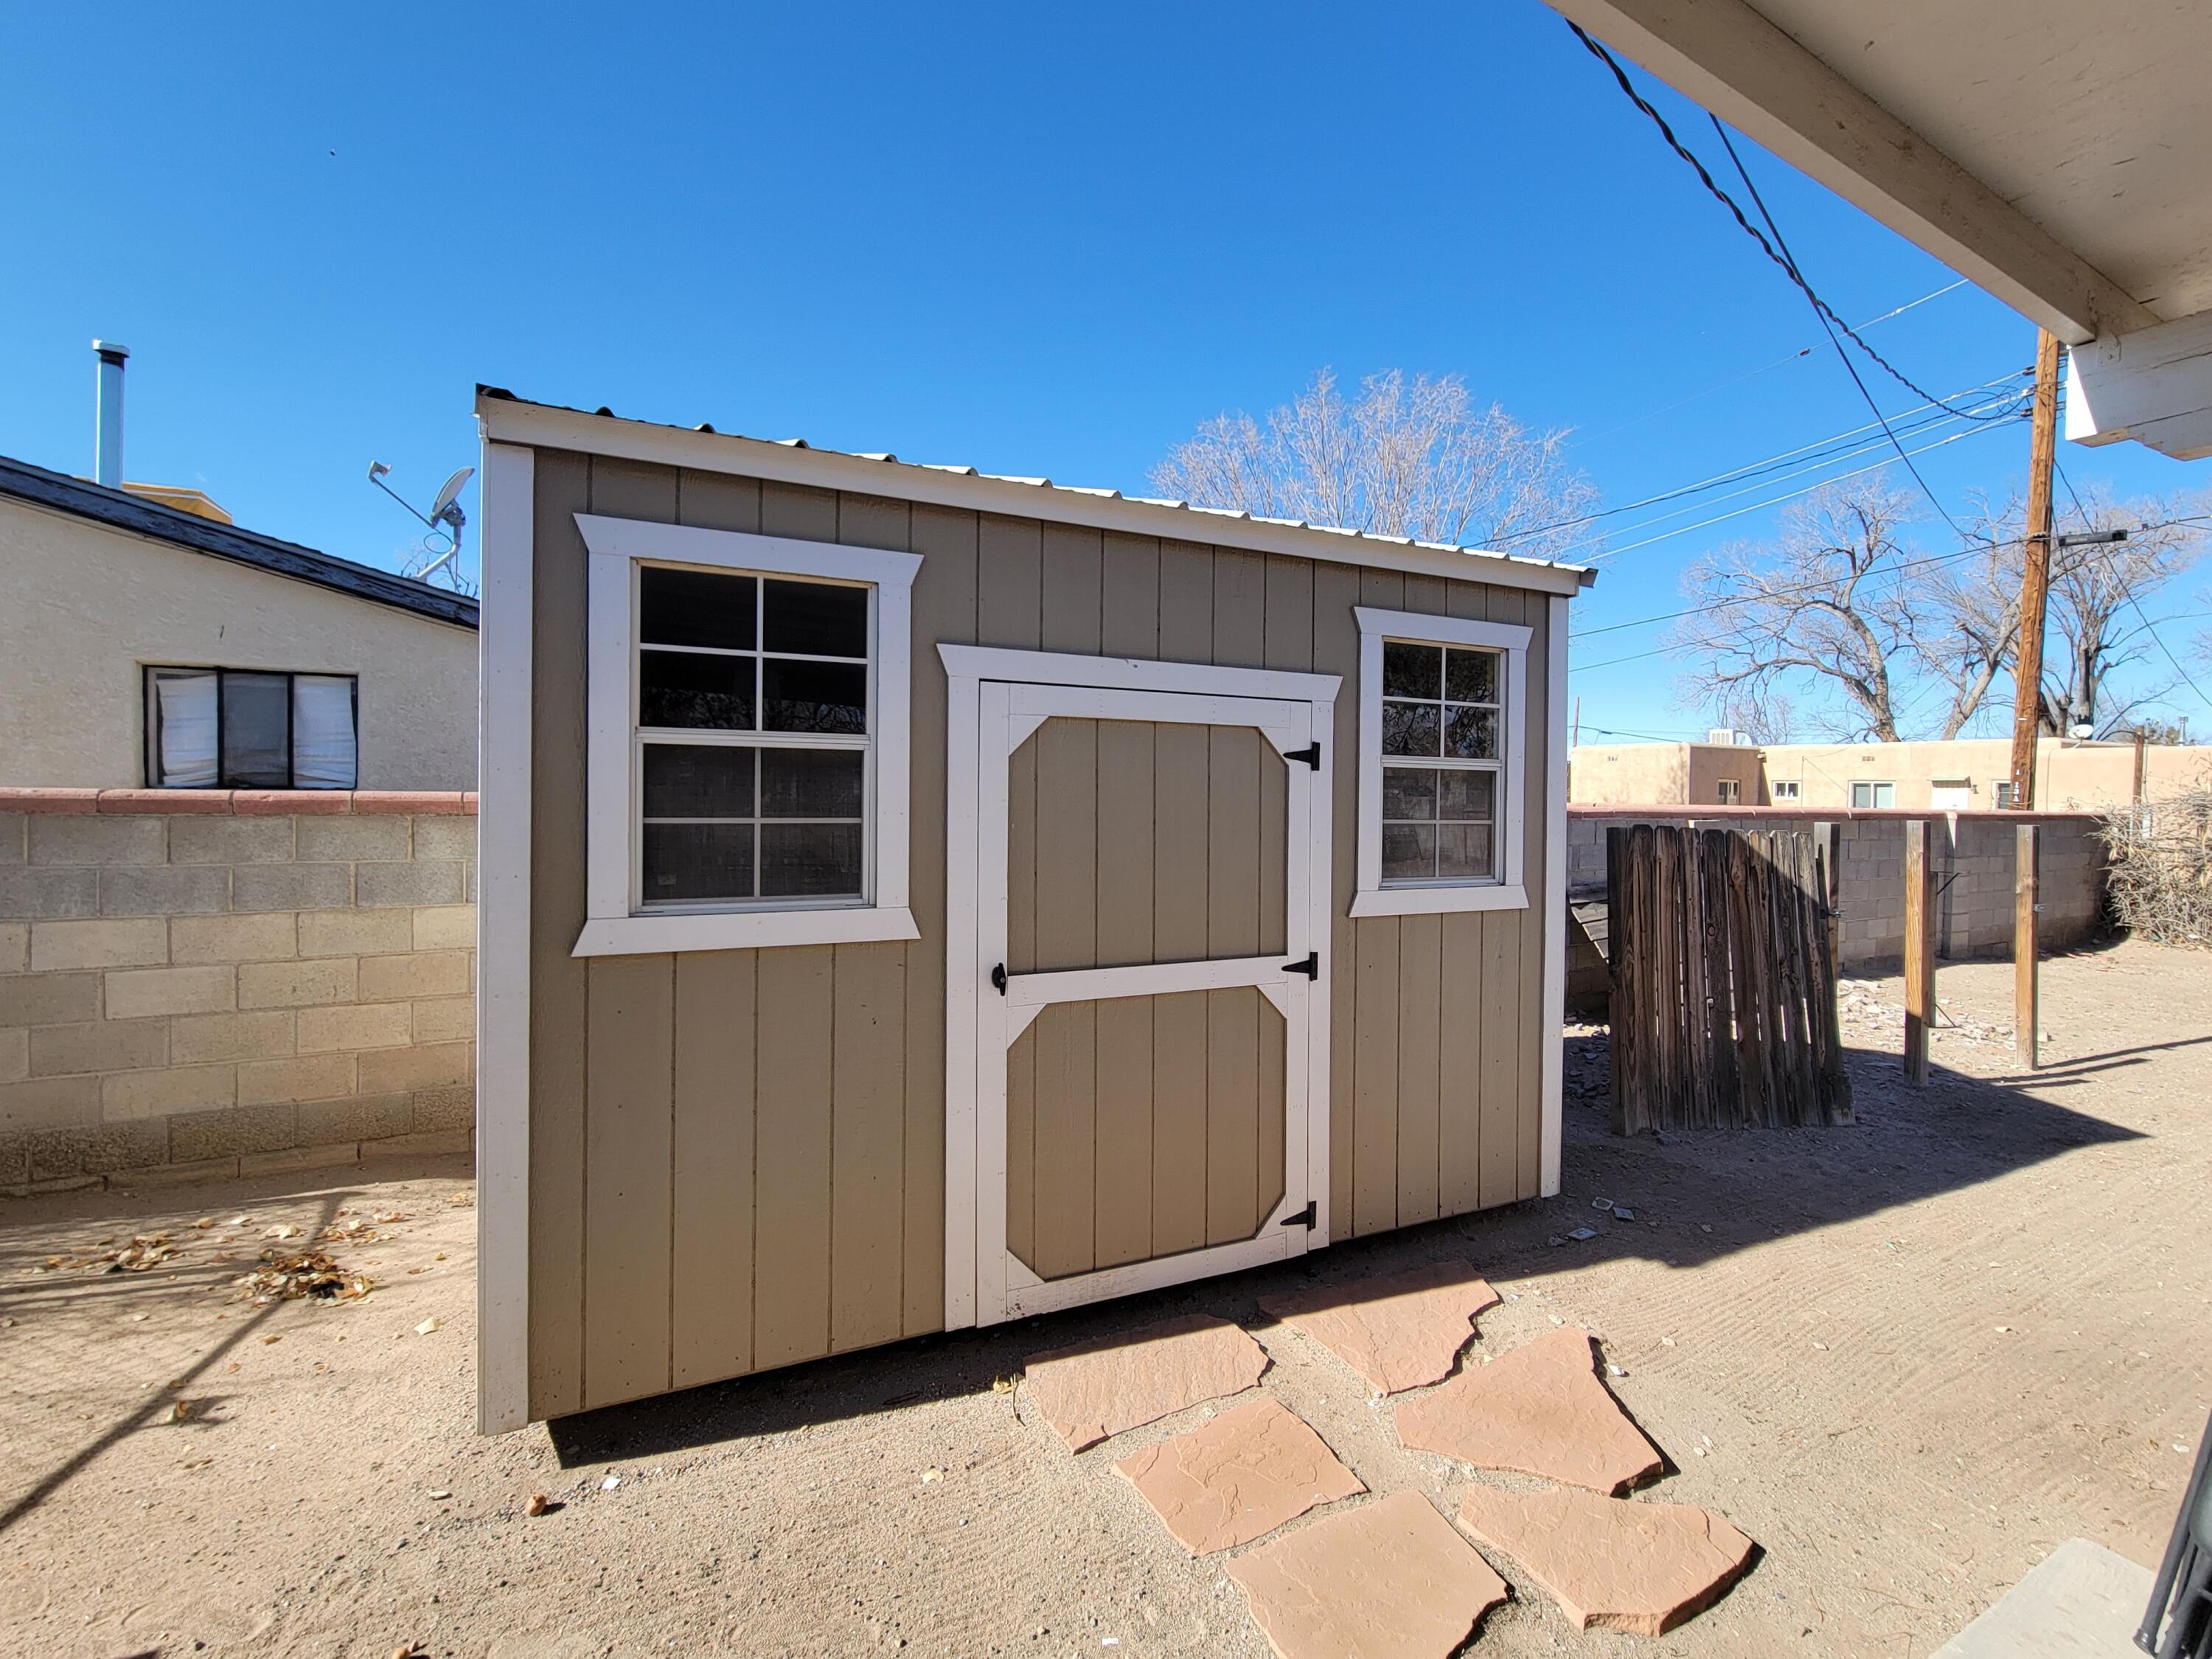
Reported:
(1039, 241)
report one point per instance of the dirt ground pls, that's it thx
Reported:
(1908, 1357)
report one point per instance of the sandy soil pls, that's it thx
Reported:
(1908, 1357)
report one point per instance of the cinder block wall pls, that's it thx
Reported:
(201, 983)
(1973, 855)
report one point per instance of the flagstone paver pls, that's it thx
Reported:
(1539, 1410)
(1239, 1477)
(1398, 1332)
(1643, 1568)
(1099, 1388)
(1389, 1580)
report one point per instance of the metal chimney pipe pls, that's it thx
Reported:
(107, 465)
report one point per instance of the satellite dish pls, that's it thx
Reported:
(448, 490)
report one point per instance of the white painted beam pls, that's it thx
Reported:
(2154, 385)
(1728, 57)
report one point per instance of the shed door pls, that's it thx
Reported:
(1144, 902)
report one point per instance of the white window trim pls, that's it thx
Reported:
(1510, 891)
(611, 927)
(1793, 785)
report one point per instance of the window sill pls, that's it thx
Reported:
(1436, 901)
(635, 936)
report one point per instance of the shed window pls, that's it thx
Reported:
(234, 728)
(747, 762)
(1866, 797)
(1443, 715)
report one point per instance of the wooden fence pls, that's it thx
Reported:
(1724, 965)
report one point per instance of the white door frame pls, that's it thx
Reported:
(1010, 693)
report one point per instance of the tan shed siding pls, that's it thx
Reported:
(736, 1158)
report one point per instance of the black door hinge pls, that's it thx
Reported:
(1311, 966)
(1306, 1218)
(1311, 755)
(998, 978)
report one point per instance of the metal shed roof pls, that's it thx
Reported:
(508, 418)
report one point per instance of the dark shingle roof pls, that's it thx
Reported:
(114, 508)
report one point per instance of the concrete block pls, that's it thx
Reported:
(15, 1164)
(299, 1157)
(50, 1102)
(33, 894)
(453, 1108)
(234, 1131)
(355, 1025)
(95, 838)
(103, 1045)
(15, 837)
(419, 973)
(446, 928)
(433, 1066)
(408, 883)
(98, 1148)
(298, 984)
(167, 890)
(438, 1143)
(15, 946)
(292, 886)
(198, 1037)
(469, 887)
(136, 993)
(139, 943)
(351, 839)
(176, 1174)
(15, 1054)
(355, 933)
(447, 1019)
(49, 999)
(445, 838)
(372, 1117)
(305, 1077)
(230, 841)
(232, 938)
(180, 1088)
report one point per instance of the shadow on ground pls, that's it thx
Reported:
(1697, 1197)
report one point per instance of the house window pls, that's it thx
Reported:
(1442, 716)
(1731, 792)
(2002, 796)
(1787, 789)
(250, 728)
(1869, 797)
(748, 746)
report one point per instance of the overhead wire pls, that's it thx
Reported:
(2149, 627)
(1788, 267)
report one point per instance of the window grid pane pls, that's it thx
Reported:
(1443, 710)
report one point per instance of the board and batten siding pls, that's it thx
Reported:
(737, 1157)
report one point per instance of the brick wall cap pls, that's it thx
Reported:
(244, 803)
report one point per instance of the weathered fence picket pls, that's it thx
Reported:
(1723, 980)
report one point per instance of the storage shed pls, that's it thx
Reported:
(913, 899)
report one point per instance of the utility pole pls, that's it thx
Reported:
(2035, 581)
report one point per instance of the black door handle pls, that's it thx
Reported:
(998, 978)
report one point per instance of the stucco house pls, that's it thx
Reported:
(150, 645)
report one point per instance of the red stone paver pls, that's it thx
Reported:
(1540, 1410)
(1402, 1331)
(1389, 1580)
(1643, 1568)
(1099, 1388)
(1239, 1477)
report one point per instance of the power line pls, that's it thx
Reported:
(1821, 311)
(1789, 268)
(2149, 627)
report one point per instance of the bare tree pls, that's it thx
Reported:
(1405, 457)
(1966, 615)
(1823, 602)
(2097, 595)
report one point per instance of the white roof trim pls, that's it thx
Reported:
(506, 419)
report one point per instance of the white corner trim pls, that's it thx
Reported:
(613, 926)
(1369, 897)
(1555, 902)
(503, 714)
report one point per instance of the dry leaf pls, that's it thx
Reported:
(183, 1410)
(204, 1223)
(429, 1326)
